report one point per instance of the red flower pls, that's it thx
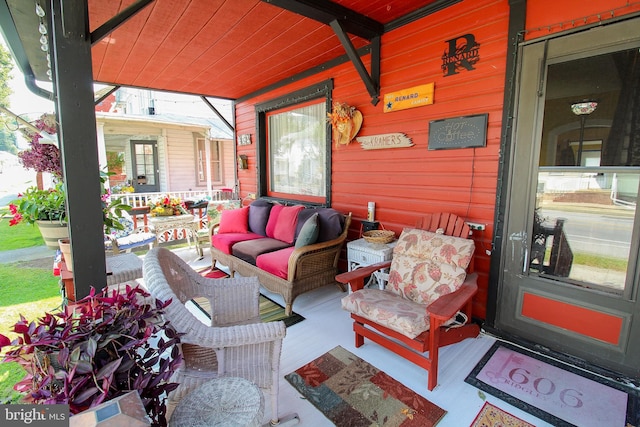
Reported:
(15, 220)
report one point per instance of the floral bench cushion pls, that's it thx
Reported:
(128, 238)
(133, 241)
(388, 309)
(127, 224)
(427, 265)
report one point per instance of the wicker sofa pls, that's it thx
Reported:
(291, 249)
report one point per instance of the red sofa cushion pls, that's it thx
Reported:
(285, 228)
(234, 221)
(249, 250)
(276, 263)
(273, 220)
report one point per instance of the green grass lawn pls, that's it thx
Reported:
(18, 236)
(24, 290)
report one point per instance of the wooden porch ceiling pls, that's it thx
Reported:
(223, 48)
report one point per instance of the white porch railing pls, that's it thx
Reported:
(140, 213)
(137, 200)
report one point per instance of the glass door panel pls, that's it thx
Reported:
(587, 185)
(583, 227)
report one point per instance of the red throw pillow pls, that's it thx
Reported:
(273, 220)
(285, 229)
(234, 221)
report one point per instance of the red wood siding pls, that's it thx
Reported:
(406, 183)
(546, 17)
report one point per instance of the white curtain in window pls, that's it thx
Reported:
(297, 150)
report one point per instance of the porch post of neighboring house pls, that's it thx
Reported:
(207, 160)
(234, 135)
(73, 83)
(102, 148)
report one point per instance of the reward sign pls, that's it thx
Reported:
(409, 98)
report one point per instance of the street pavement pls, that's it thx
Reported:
(27, 254)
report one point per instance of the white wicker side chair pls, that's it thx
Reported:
(237, 343)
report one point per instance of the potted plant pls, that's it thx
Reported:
(47, 209)
(41, 157)
(102, 347)
(167, 206)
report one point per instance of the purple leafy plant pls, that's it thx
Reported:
(42, 157)
(102, 347)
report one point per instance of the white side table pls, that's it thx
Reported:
(188, 222)
(361, 253)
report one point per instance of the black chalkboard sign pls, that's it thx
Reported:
(458, 132)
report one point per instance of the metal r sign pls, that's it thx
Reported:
(463, 52)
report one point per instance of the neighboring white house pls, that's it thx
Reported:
(167, 152)
(169, 142)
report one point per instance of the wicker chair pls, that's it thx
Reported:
(237, 343)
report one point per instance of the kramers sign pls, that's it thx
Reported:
(386, 140)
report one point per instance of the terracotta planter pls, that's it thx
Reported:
(52, 231)
(65, 248)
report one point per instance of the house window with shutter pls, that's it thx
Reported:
(214, 164)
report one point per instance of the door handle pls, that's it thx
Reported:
(519, 243)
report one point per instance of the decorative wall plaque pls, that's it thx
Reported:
(458, 132)
(386, 140)
(412, 97)
(463, 53)
(244, 139)
(345, 123)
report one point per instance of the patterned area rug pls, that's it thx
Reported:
(555, 392)
(270, 311)
(492, 416)
(351, 392)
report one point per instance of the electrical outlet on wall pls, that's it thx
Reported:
(476, 226)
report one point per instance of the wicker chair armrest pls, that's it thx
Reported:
(355, 278)
(445, 307)
(325, 253)
(321, 251)
(234, 336)
(213, 228)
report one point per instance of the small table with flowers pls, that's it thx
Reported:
(187, 222)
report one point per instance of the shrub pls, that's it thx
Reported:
(103, 346)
